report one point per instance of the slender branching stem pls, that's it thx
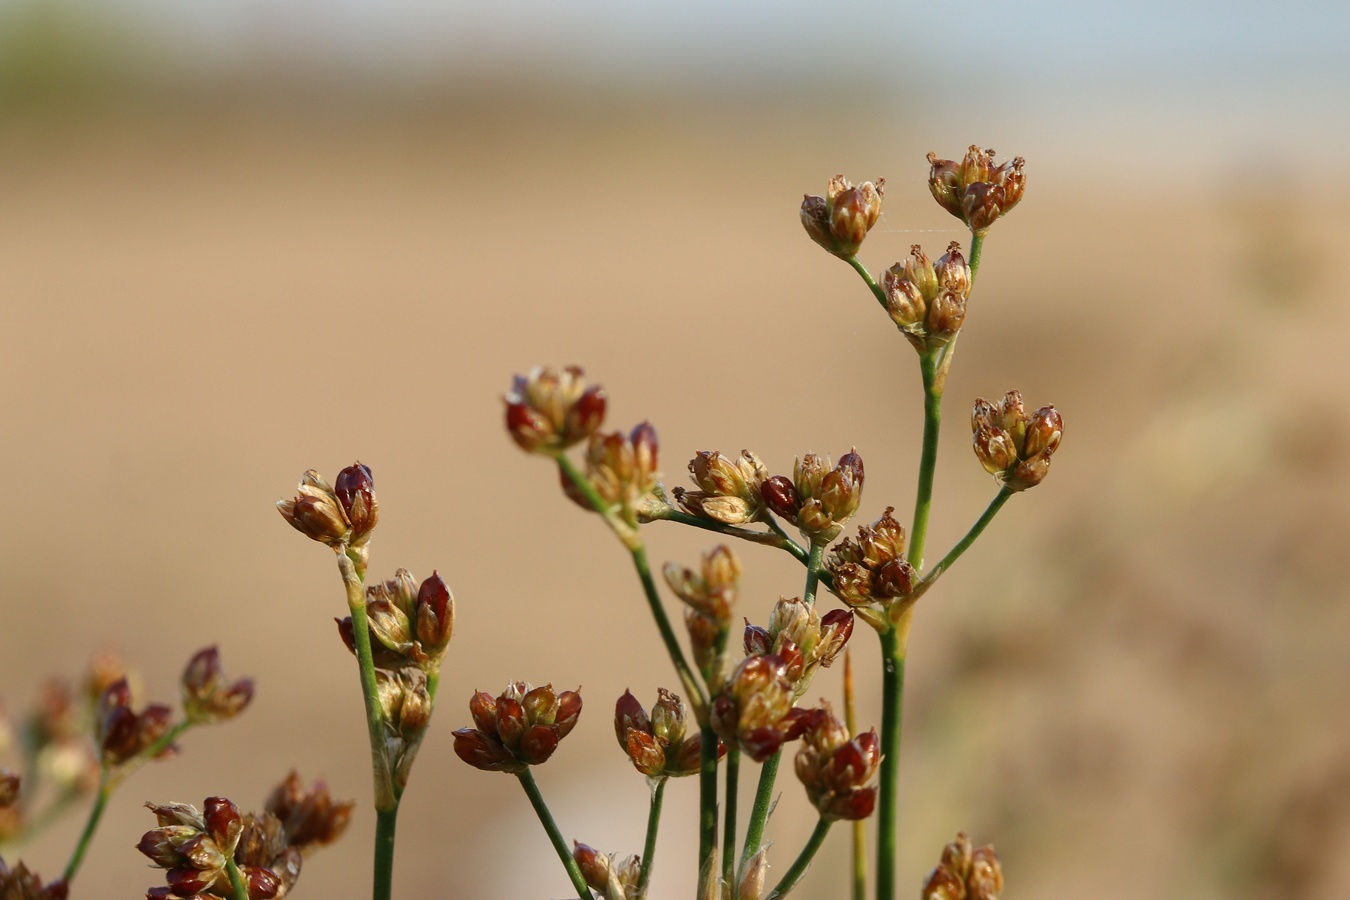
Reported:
(554, 834)
(867, 277)
(707, 807)
(386, 823)
(108, 780)
(932, 423)
(774, 537)
(858, 879)
(237, 886)
(1002, 497)
(813, 566)
(976, 251)
(697, 698)
(653, 823)
(729, 816)
(803, 861)
(759, 813)
(893, 643)
(105, 790)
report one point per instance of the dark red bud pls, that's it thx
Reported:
(587, 414)
(524, 425)
(184, 881)
(223, 821)
(757, 641)
(853, 463)
(628, 713)
(781, 497)
(795, 723)
(483, 752)
(483, 708)
(645, 445)
(202, 671)
(569, 709)
(355, 490)
(762, 743)
(159, 893)
(511, 723)
(538, 743)
(262, 884)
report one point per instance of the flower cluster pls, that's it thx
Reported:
(549, 410)
(754, 710)
(927, 300)
(1013, 446)
(197, 848)
(729, 490)
(622, 469)
(709, 595)
(803, 639)
(207, 695)
(21, 884)
(519, 728)
(975, 190)
(607, 875)
(340, 515)
(819, 498)
(839, 771)
(872, 571)
(410, 623)
(965, 874)
(657, 744)
(121, 733)
(841, 219)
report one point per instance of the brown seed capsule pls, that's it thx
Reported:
(316, 511)
(521, 727)
(873, 569)
(355, 491)
(752, 707)
(207, 695)
(975, 190)
(1012, 446)
(838, 771)
(820, 498)
(549, 410)
(965, 874)
(308, 816)
(840, 220)
(729, 490)
(926, 300)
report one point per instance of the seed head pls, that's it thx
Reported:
(520, 727)
(1012, 446)
(838, 771)
(820, 498)
(975, 190)
(927, 301)
(729, 490)
(316, 511)
(549, 409)
(840, 220)
(207, 695)
(964, 873)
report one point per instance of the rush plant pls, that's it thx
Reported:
(739, 698)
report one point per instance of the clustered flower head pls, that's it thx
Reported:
(975, 190)
(754, 709)
(1013, 446)
(121, 733)
(549, 409)
(801, 638)
(841, 219)
(820, 498)
(21, 884)
(709, 595)
(612, 878)
(410, 624)
(657, 744)
(839, 771)
(729, 490)
(207, 695)
(519, 728)
(623, 470)
(965, 874)
(196, 846)
(341, 516)
(927, 300)
(872, 571)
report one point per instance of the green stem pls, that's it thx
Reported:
(554, 835)
(108, 780)
(775, 537)
(803, 861)
(386, 821)
(858, 882)
(867, 277)
(707, 807)
(729, 819)
(813, 566)
(697, 698)
(892, 694)
(759, 813)
(653, 823)
(237, 885)
(963, 545)
(105, 789)
(932, 422)
(385, 796)
(976, 251)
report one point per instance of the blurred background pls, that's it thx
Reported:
(240, 239)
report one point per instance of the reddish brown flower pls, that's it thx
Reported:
(207, 695)
(841, 219)
(838, 771)
(1013, 446)
(965, 873)
(519, 728)
(549, 410)
(975, 190)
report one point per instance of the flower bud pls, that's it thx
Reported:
(752, 706)
(521, 727)
(729, 492)
(820, 498)
(872, 569)
(965, 874)
(1012, 446)
(623, 468)
(975, 190)
(927, 301)
(355, 491)
(838, 771)
(308, 817)
(207, 696)
(223, 823)
(316, 511)
(549, 410)
(840, 220)
(435, 616)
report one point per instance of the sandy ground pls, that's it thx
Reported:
(1130, 686)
